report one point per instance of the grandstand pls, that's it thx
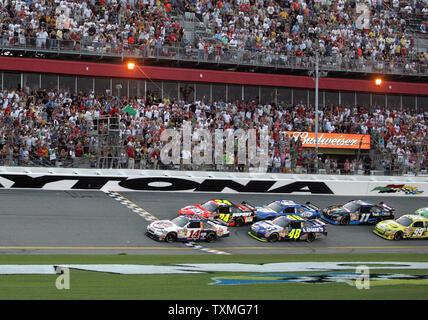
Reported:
(218, 64)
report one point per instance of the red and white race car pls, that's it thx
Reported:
(186, 228)
(222, 211)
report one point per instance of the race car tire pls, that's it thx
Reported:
(398, 236)
(311, 237)
(344, 220)
(239, 222)
(210, 237)
(171, 237)
(274, 237)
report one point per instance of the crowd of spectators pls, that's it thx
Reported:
(53, 128)
(284, 28)
(112, 26)
(281, 31)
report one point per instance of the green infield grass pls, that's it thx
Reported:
(97, 285)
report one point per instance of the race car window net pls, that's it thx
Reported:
(224, 209)
(365, 210)
(290, 210)
(295, 224)
(194, 225)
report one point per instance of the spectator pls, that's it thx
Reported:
(347, 167)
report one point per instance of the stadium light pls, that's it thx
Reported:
(378, 81)
(131, 65)
(318, 74)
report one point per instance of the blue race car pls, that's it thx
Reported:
(286, 207)
(357, 212)
(290, 227)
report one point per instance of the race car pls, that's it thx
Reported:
(408, 226)
(422, 212)
(291, 227)
(357, 212)
(286, 207)
(222, 211)
(186, 228)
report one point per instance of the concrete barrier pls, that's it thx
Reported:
(208, 181)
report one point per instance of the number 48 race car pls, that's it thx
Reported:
(185, 228)
(290, 227)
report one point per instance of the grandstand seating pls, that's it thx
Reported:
(284, 34)
(55, 129)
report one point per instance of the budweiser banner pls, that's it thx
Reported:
(333, 140)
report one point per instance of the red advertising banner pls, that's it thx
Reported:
(332, 140)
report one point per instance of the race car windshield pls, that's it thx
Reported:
(404, 221)
(275, 206)
(180, 221)
(281, 221)
(209, 206)
(351, 206)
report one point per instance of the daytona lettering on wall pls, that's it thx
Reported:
(17, 181)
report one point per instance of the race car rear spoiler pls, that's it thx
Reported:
(248, 205)
(311, 205)
(383, 204)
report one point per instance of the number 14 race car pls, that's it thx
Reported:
(185, 228)
(222, 211)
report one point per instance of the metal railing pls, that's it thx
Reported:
(395, 169)
(412, 66)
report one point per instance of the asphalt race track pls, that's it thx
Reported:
(94, 222)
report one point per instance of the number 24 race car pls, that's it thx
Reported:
(185, 228)
(222, 211)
